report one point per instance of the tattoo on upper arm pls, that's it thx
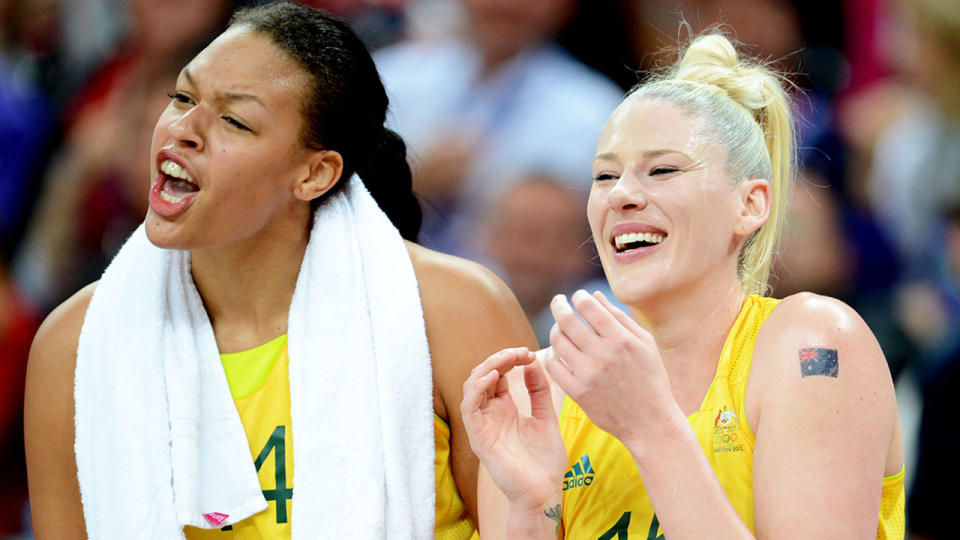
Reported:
(554, 514)
(817, 361)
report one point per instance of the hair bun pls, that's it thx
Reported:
(713, 60)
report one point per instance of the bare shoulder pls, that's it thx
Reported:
(808, 320)
(53, 359)
(49, 421)
(807, 307)
(469, 314)
(57, 337)
(818, 349)
(459, 285)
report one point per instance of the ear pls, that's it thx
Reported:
(755, 203)
(323, 171)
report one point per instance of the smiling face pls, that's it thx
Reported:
(226, 150)
(662, 209)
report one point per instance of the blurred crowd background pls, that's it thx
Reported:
(501, 103)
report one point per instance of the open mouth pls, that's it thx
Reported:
(633, 240)
(177, 182)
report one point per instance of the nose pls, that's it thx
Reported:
(186, 131)
(626, 194)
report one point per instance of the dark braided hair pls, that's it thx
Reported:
(345, 106)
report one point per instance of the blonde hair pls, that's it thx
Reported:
(744, 109)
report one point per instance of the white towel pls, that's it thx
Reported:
(159, 442)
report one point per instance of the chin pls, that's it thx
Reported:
(629, 296)
(636, 291)
(627, 291)
(161, 234)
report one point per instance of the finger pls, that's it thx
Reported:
(541, 403)
(541, 354)
(569, 322)
(624, 319)
(561, 374)
(505, 360)
(603, 322)
(475, 394)
(566, 351)
(473, 405)
(502, 386)
(502, 362)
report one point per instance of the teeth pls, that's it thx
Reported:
(173, 169)
(170, 198)
(622, 240)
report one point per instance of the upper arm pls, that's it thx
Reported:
(49, 423)
(823, 440)
(469, 314)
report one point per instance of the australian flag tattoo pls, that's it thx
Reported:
(816, 361)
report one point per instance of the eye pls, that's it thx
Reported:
(604, 176)
(180, 97)
(662, 170)
(236, 123)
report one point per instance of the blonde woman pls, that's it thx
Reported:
(708, 411)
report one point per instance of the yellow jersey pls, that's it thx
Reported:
(259, 383)
(603, 494)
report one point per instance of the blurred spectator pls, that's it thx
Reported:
(377, 22)
(909, 129)
(930, 508)
(18, 323)
(30, 31)
(26, 112)
(814, 253)
(536, 236)
(613, 55)
(915, 163)
(494, 101)
(91, 31)
(906, 130)
(95, 188)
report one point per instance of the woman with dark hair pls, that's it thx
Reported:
(266, 281)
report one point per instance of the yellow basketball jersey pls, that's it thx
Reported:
(603, 494)
(260, 384)
(453, 522)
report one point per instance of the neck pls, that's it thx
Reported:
(247, 286)
(690, 329)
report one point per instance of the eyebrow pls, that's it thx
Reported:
(610, 156)
(225, 95)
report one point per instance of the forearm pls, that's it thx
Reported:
(683, 488)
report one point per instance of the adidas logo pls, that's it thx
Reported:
(581, 474)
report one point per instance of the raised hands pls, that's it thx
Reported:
(524, 455)
(609, 365)
(606, 362)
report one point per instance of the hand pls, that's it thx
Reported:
(524, 455)
(609, 365)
